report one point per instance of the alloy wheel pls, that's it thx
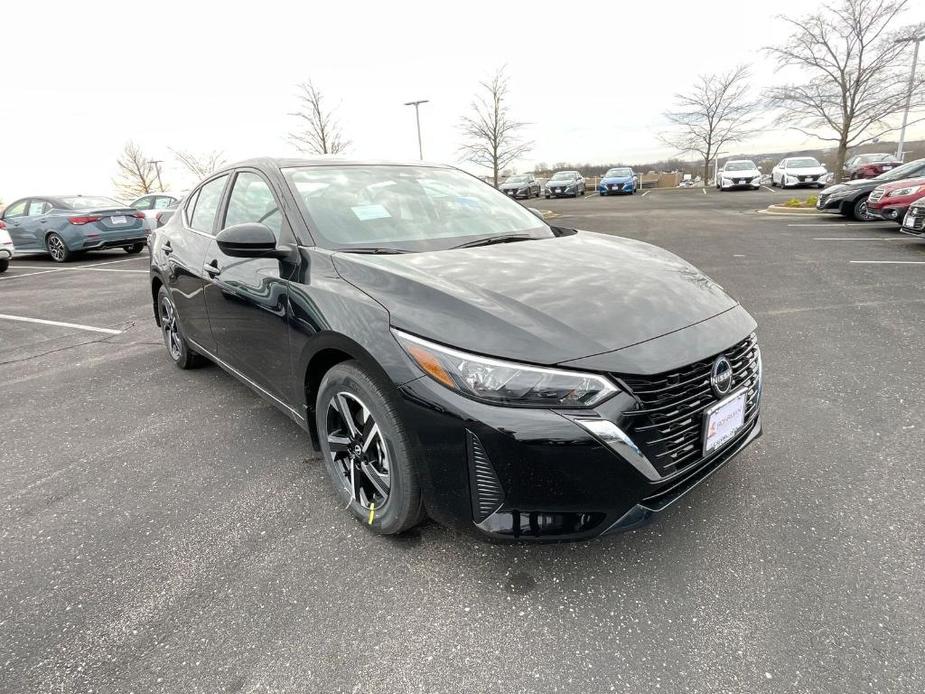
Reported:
(359, 450)
(170, 329)
(56, 248)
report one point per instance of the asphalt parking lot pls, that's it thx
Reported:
(168, 531)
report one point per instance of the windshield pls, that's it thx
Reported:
(913, 168)
(518, 179)
(802, 163)
(618, 173)
(81, 202)
(563, 175)
(406, 208)
(739, 166)
(871, 158)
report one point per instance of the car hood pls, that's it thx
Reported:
(904, 183)
(564, 184)
(744, 173)
(544, 301)
(859, 185)
(616, 179)
(514, 186)
(807, 171)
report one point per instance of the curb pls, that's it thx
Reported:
(797, 211)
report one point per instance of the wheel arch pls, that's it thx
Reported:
(324, 352)
(156, 284)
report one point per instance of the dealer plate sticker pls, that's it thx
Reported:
(723, 421)
(118, 220)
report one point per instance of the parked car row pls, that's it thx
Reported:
(63, 225)
(886, 196)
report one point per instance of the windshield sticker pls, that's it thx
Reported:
(366, 212)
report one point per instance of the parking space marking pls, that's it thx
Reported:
(30, 274)
(860, 238)
(645, 194)
(69, 268)
(887, 262)
(76, 326)
(770, 190)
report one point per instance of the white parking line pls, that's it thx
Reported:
(860, 238)
(645, 194)
(769, 189)
(77, 326)
(887, 262)
(704, 190)
(68, 268)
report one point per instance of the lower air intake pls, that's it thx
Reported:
(487, 494)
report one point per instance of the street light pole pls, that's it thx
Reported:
(915, 59)
(417, 118)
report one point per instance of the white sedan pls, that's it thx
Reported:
(6, 248)
(793, 172)
(739, 173)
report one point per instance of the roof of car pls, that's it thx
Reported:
(286, 162)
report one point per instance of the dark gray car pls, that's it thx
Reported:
(521, 186)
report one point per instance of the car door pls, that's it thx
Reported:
(185, 244)
(18, 225)
(248, 298)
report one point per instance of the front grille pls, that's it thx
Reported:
(668, 426)
(876, 195)
(917, 223)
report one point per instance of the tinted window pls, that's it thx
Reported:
(208, 199)
(143, 203)
(252, 201)
(82, 202)
(17, 209)
(37, 207)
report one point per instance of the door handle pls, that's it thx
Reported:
(167, 248)
(212, 269)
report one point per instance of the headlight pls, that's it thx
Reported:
(899, 192)
(503, 382)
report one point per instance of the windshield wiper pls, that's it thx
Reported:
(507, 238)
(375, 250)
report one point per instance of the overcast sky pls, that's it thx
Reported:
(81, 78)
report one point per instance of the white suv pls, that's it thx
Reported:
(738, 173)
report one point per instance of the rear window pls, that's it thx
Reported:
(86, 202)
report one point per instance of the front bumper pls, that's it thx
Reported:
(537, 475)
(830, 203)
(739, 183)
(512, 193)
(561, 192)
(914, 225)
(889, 213)
(5, 253)
(616, 188)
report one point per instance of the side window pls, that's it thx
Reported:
(162, 202)
(38, 207)
(252, 201)
(17, 209)
(207, 201)
(143, 203)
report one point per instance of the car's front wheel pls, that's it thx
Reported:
(134, 248)
(859, 212)
(367, 449)
(57, 249)
(177, 347)
(4, 264)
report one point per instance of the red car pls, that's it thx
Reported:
(869, 165)
(891, 200)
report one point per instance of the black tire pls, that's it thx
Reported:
(57, 249)
(602, 193)
(547, 197)
(177, 348)
(4, 264)
(350, 385)
(135, 248)
(859, 210)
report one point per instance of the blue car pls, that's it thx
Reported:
(63, 225)
(618, 181)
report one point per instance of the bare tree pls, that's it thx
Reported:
(854, 77)
(318, 131)
(492, 135)
(717, 111)
(200, 164)
(137, 173)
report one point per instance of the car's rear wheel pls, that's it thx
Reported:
(4, 264)
(135, 248)
(367, 449)
(57, 249)
(177, 347)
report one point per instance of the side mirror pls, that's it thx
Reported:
(249, 240)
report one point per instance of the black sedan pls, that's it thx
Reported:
(521, 186)
(850, 198)
(451, 354)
